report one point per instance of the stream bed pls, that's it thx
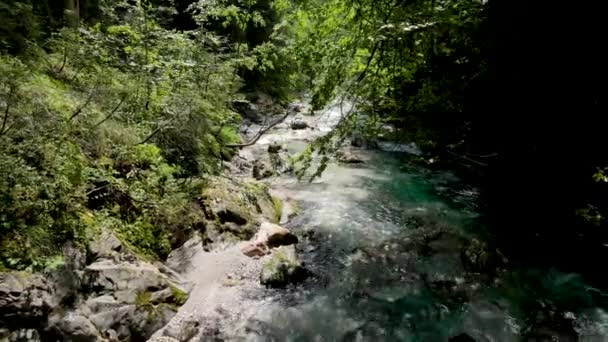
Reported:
(395, 254)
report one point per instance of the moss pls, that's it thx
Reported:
(179, 297)
(143, 300)
(277, 204)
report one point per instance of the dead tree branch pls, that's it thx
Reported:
(261, 132)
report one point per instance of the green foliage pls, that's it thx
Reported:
(179, 297)
(103, 126)
(143, 300)
(277, 205)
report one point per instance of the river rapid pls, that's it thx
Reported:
(396, 254)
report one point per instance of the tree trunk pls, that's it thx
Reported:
(72, 12)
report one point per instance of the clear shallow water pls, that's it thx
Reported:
(386, 246)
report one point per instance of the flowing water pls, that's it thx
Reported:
(396, 255)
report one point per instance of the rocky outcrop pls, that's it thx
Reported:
(116, 297)
(24, 295)
(184, 331)
(247, 110)
(282, 268)
(234, 208)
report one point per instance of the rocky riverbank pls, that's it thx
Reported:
(108, 291)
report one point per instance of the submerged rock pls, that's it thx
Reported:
(462, 338)
(551, 326)
(478, 256)
(348, 157)
(283, 268)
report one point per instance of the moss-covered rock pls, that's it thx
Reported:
(283, 268)
(236, 208)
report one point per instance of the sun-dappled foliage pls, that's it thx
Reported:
(111, 112)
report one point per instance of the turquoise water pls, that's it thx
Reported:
(388, 246)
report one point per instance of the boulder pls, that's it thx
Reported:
(25, 296)
(184, 331)
(123, 278)
(269, 236)
(262, 168)
(298, 123)
(247, 110)
(134, 321)
(273, 235)
(275, 147)
(105, 245)
(99, 304)
(245, 204)
(74, 327)
(282, 268)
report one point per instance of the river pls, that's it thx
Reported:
(397, 254)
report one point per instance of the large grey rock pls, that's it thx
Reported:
(108, 276)
(25, 296)
(180, 259)
(74, 327)
(100, 304)
(262, 168)
(184, 331)
(146, 321)
(247, 110)
(235, 207)
(283, 267)
(105, 245)
(298, 123)
(133, 322)
(114, 319)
